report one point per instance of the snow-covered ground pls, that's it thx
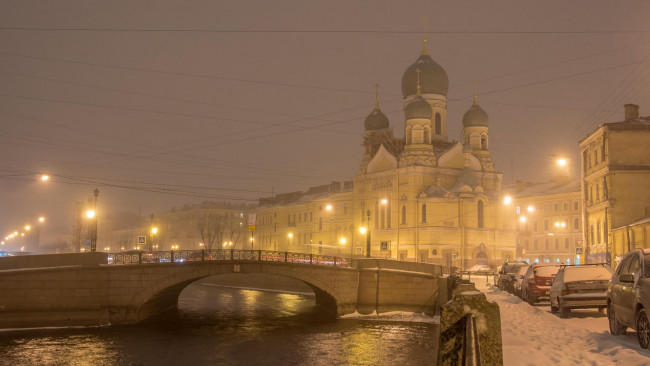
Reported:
(532, 335)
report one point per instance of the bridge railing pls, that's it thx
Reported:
(178, 256)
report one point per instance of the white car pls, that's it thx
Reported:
(480, 268)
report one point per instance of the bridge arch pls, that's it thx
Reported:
(164, 290)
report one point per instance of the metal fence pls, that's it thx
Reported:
(179, 256)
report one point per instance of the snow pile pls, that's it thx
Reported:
(394, 316)
(532, 335)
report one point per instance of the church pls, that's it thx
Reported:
(420, 198)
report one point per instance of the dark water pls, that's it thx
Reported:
(227, 326)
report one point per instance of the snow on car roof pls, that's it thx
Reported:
(586, 273)
(546, 271)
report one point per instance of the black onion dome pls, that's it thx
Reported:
(433, 78)
(376, 120)
(418, 108)
(475, 116)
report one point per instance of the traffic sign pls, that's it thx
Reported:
(142, 239)
(579, 251)
(251, 227)
(384, 246)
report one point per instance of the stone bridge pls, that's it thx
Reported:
(103, 289)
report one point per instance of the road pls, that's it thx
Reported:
(532, 335)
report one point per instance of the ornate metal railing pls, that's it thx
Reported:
(178, 256)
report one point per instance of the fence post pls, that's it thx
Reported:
(311, 257)
(286, 254)
(259, 254)
(172, 256)
(202, 254)
(334, 261)
(232, 254)
(139, 257)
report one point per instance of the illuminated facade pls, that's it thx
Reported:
(549, 222)
(420, 198)
(615, 179)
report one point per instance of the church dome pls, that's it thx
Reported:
(418, 108)
(376, 120)
(475, 116)
(433, 78)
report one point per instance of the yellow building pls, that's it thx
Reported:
(549, 222)
(615, 179)
(419, 198)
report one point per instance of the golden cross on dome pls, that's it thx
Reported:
(475, 94)
(418, 72)
(376, 96)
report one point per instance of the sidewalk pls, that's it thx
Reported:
(532, 335)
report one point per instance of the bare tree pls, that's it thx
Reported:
(212, 227)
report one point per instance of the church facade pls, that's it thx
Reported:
(419, 198)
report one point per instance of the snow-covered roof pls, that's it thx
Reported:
(549, 188)
(639, 222)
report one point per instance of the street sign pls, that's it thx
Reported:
(252, 219)
(87, 243)
(579, 251)
(384, 246)
(251, 227)
(454, 256)
(236, 268)
(142, 239)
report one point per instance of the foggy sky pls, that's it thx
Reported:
(222, 114)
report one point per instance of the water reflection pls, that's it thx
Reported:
(227, 326)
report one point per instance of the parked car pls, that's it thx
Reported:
(580, 287)
(628, 296)
(519, 277)
(480, 268)
(507, 274)
(537, 281)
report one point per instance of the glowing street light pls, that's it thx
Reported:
(45, 178)
(27, 227)
(561, 162)
(90, 214)
(342, 241)
(328, 207)
(507, 200)
(41, 219)
(290, 235)
(362, 230)
(522, 219)
(154, 230)
(384, 201)
(531, 208)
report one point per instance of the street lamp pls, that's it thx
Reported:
(368, 237)
(45, 178)
(154, 231)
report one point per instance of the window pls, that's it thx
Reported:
(480, 213)
(546, 208)
(320, 224)
(598, 232)
(545, 225)
(535, 244)
(424, 213)
(575, 205)
(576, 223)
(526, 244)
(555, 207)
(566, 206)
(545, 243)
(591, 234)
(403, 215)
(557, 243)
(535, 226)
(345, 208)
(566, 243)
(438, 124)
(518, 210)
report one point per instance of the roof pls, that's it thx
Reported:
(549, 188)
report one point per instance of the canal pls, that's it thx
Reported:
(232, 320)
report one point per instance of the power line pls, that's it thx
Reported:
(312, 31)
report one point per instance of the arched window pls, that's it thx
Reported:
(427, 135)
(409, 137)
(480, 213)
(424, 213)
(484, 143)
(438, 124)
(403, 215)
(320, 224)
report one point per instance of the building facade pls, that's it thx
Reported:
(419, 198)
(615, 177)
(549, 222)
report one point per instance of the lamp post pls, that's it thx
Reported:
(154, 231)
(368, 237)
(93, 238)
